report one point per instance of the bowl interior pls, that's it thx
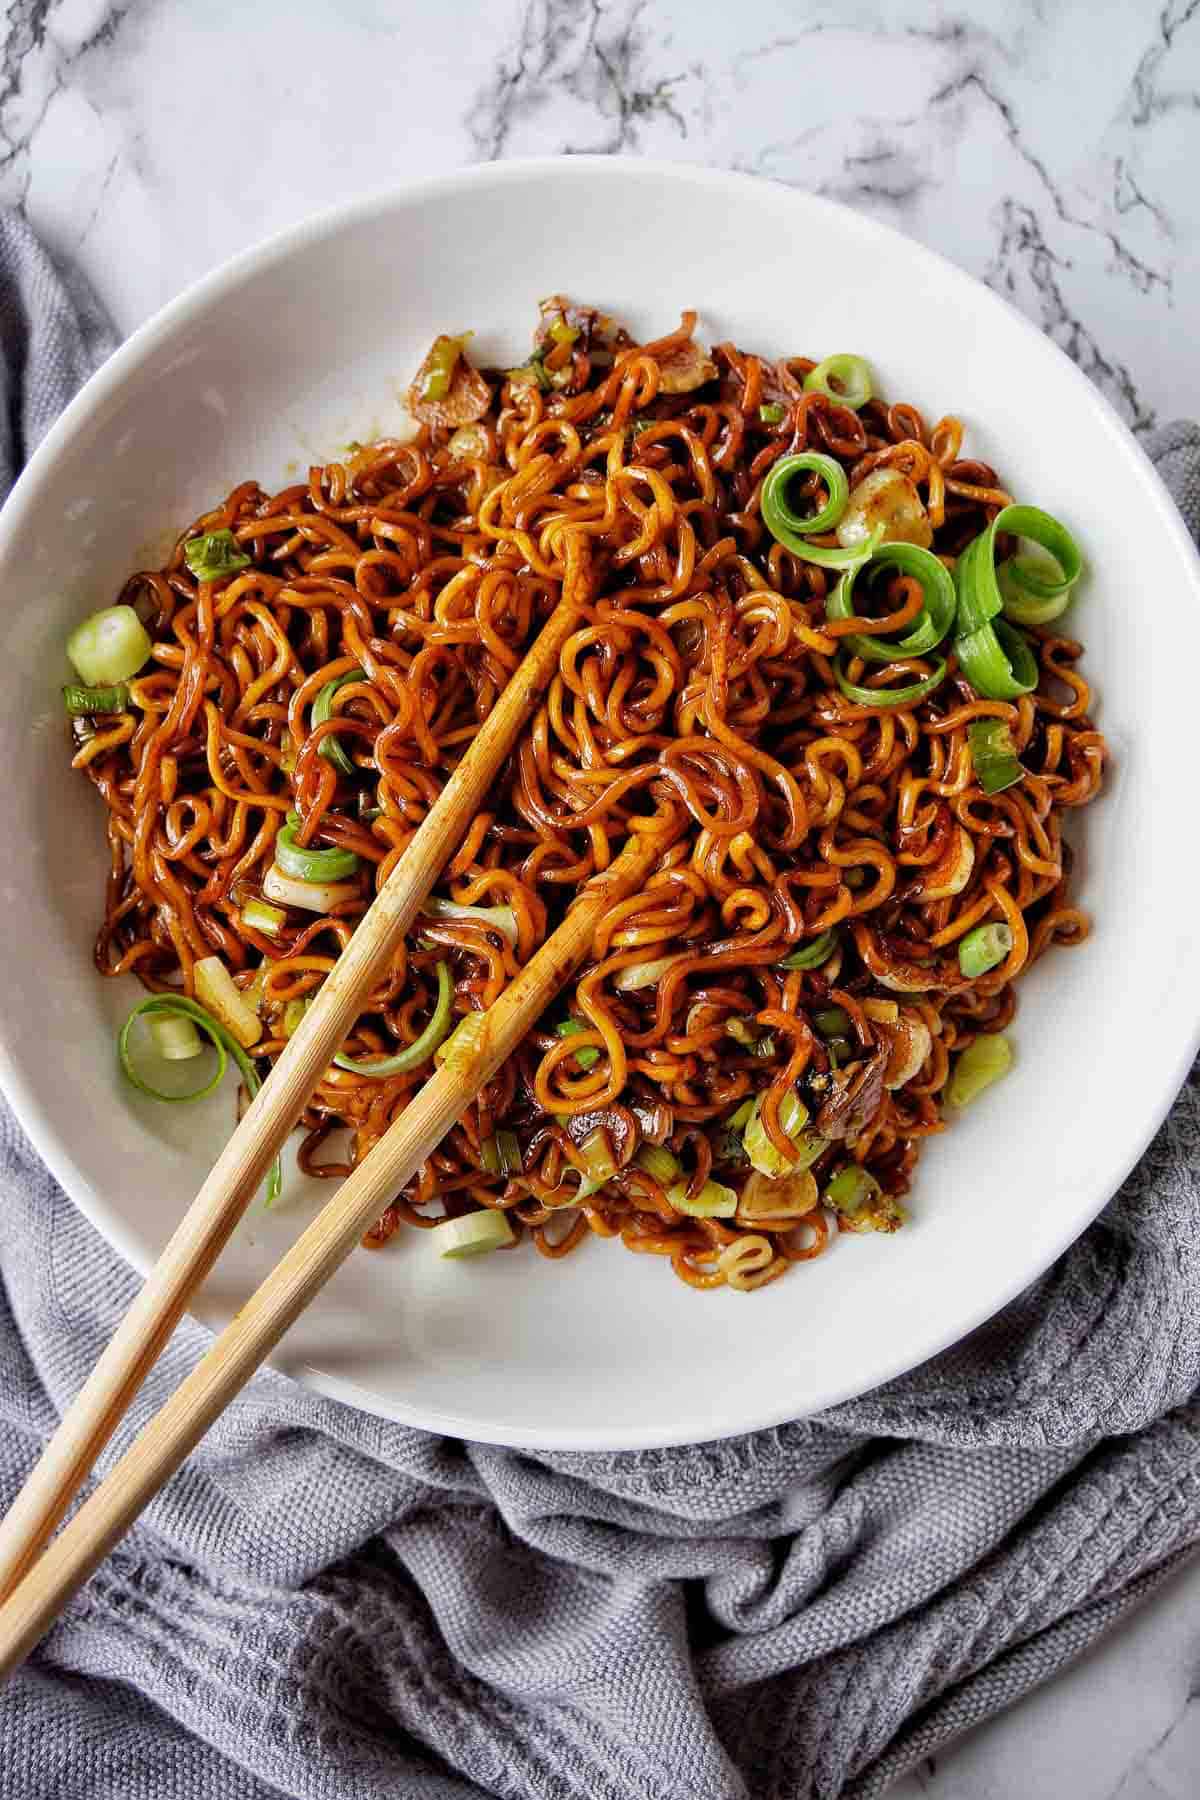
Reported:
(277, 362)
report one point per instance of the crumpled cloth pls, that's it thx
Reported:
(322, 1604)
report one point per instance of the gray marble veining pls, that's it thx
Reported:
(1048, 146)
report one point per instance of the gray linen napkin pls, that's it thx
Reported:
(322, 1604)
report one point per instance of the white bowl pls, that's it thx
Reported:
(277, 360)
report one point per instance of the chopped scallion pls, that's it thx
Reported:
(472, 1234)
(597, 1153)
(982, 1062)
(175, 1036)
(659, 1162)
(501, 1154)
(85, 702)
(772, 413)
(329, 747)
(260, 915)
(219, 993)
(851, 1189)
(844, 378)
(461, 1048)
(588, 1056)
(422, 1047)
(793, 1116)
(643, 975)
(812, 955)
(306, 864)
(499, 918)
(109, 647)
(213, 554)
(159, 1006)
(887, 699)
(939, 601)
(437, 371)
(714, 1201)
(993, 755)
(293, 1016)
(983, 949)
(313, 896)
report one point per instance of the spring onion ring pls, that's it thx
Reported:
(793, 530)
(887, 698)
(223, 1043)
(852, 375)
(311, 865)
(329, 747)
(997, 661)
(1022, 587)
(421, 1049)
(933, 621)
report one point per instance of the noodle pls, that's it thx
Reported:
(700, 677)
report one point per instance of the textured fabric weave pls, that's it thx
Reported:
(325, 1605)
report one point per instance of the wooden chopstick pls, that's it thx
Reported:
(258, 1326)
(236, 1175)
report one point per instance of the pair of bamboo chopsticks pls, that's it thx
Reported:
(36, 1582)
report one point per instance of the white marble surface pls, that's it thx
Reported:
(1051, 147)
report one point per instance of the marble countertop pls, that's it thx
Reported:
(1050, 147)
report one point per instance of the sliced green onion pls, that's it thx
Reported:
(932, 622)
(851, 374)
(83, 702)
(311, 865)
(462, 1046)
(225, 1045)
(530, 374)
(218, 991)
(468, 441)
(997, 660)
(562, 333)
(657, 1161)
(793, 1116)
(765, 1046)
(293, 1016)
(772, 413)
(175, 1036)
(642, 975)
(597, 1153)
(851, 1189)
(888, 698)
(501, 1154)
(740, 1032)
(860, 1202)
(832, 1021)
(260, 915)
(812, 955)
(983, 949)
(437, 371)
(714, 1201)
(981, 1063)
(473, 1234)
(500, 918)
(1030, 590)
(839, 1050)
(421, 1049)
(588, 1056)
(329, 747)
(993, 755)
(742, 1117)
(214, 554)
(790, 528)
(109, 646)
(312, 896)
